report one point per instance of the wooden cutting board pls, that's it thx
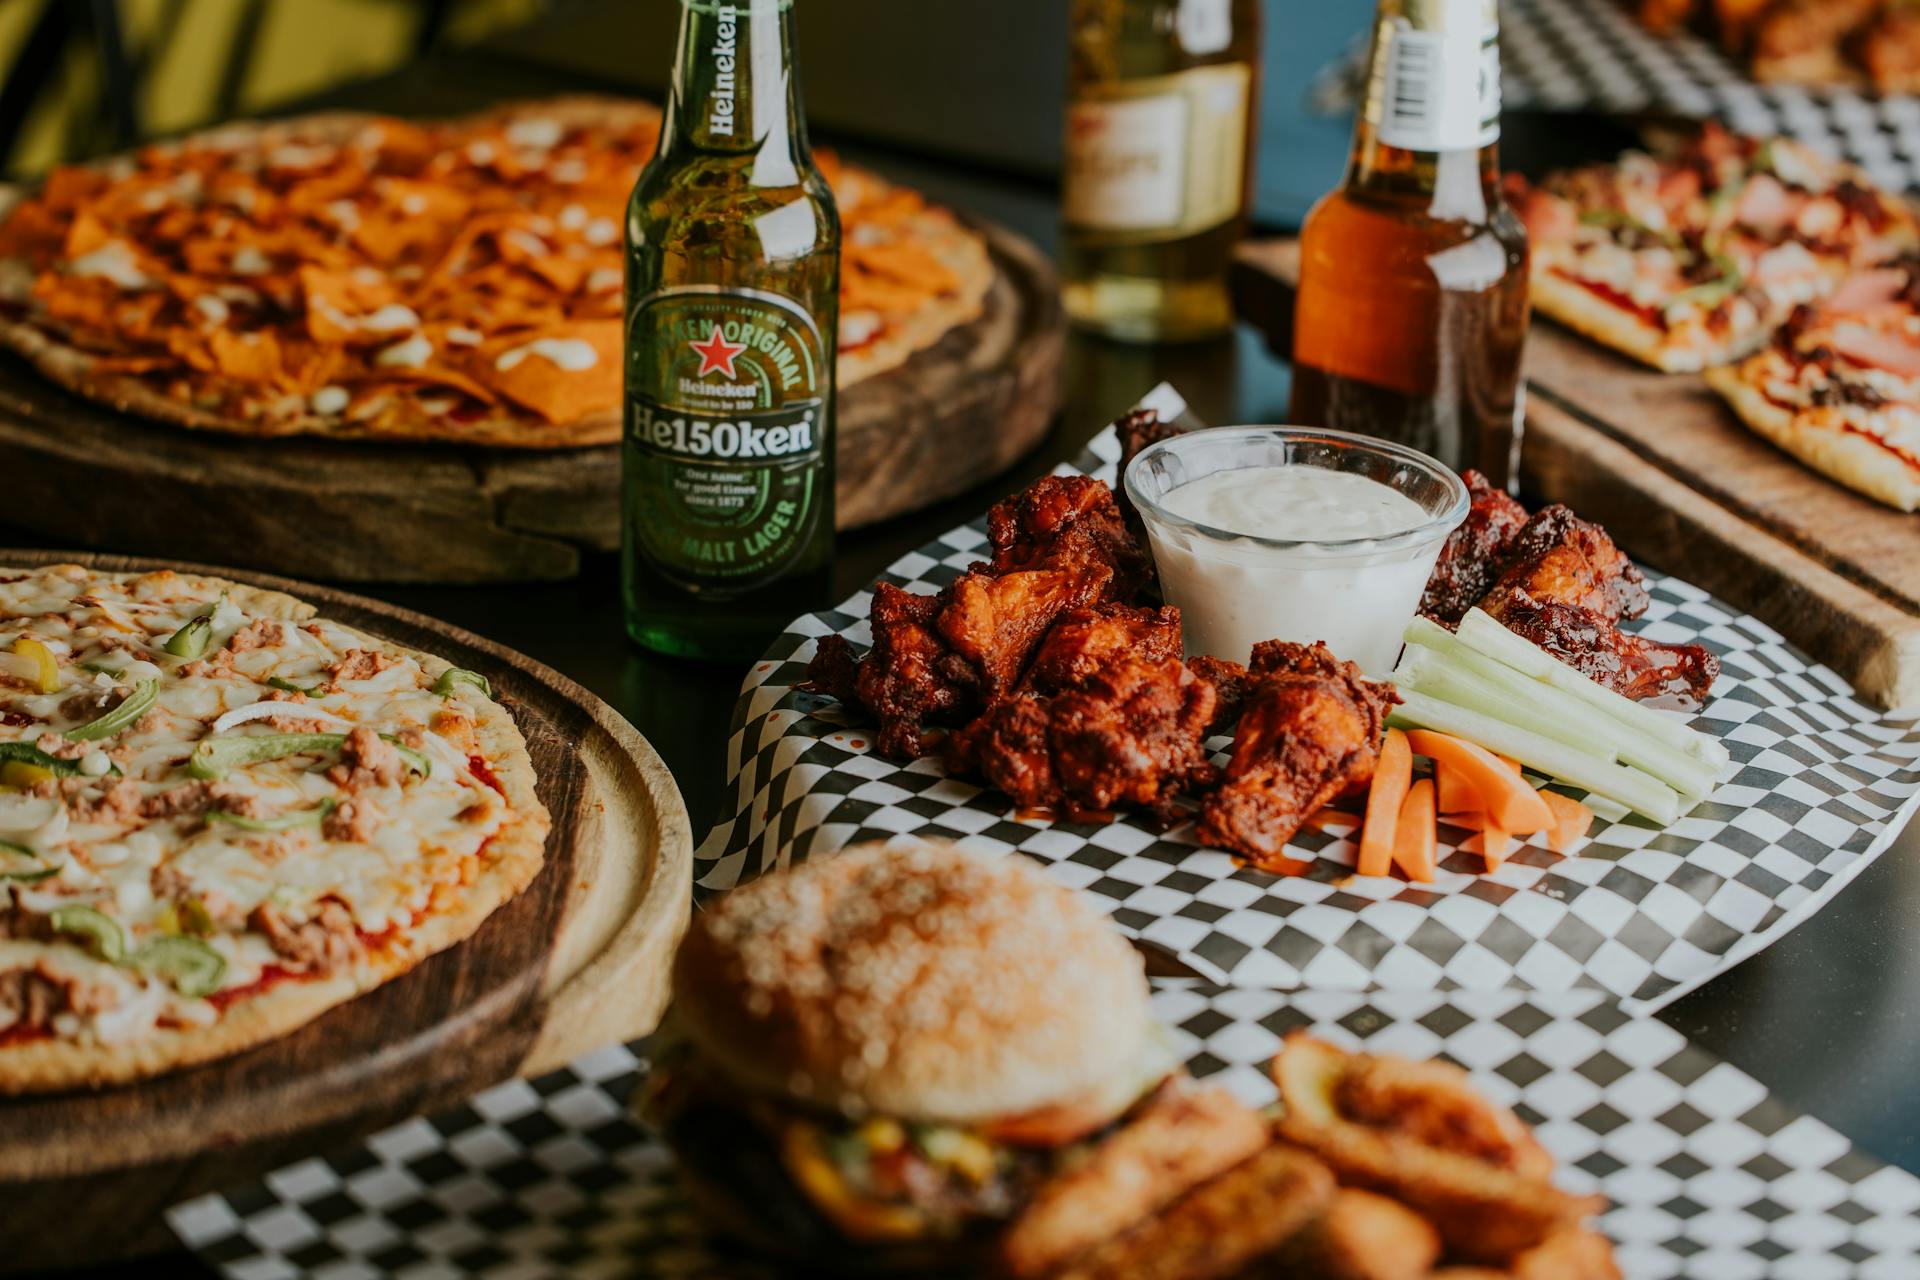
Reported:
(1666, 467)
(955, 414)
(578, 961)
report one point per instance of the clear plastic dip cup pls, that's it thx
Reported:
(1278, 533)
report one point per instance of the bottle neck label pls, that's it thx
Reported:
(732, 82)
(728, 394)
(720, 95)
(1435, 78)
(1158, 158)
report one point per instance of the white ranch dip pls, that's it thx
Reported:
(1295, 504)
(1233, 593)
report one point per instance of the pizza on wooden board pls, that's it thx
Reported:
(1839, 386)
(1692, 258)
(221, 815)
(359, 277)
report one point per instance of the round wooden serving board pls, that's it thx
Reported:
(578, 961)
(955, 414)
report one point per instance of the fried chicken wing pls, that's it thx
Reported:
(1603, 572)
(1067, 522)
(908, 680)
(1138, 429)
(937, 660)
(1473, 554)
(1560, 582)
(1309, 731)
(1231, 684)
(1130, 736)
(1085, 640)
(1628, 663)
(996, 623)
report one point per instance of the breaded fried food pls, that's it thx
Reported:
(1177, 1141)
(1470, 1167)
(1577, 1254)
(1362, 1236)
(1219, 1230)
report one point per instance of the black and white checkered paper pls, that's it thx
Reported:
(1709, 1177)
(1591, 55)
(1820, 784)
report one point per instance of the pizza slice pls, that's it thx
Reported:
(221, 815)
(1692, 258)
(1839, 386)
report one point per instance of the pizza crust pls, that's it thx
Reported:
(514, 856)
(1853, 460)
(1591, 316)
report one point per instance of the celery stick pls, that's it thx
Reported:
(1470, 679)
(1480, 632)
(1638, 791)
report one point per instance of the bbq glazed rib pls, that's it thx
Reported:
(1560, 582)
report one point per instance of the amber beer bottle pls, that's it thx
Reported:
(1161, 95)
(1412, 307)
(733, 275)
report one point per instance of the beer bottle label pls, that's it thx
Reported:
(725, 434)
(1436, 80)
(1160, 157)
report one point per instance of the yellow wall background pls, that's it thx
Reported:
(186, 50)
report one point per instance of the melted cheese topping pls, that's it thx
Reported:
(136, 842)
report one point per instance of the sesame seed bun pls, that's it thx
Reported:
(923, 982)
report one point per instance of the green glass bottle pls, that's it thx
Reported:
(733, 287)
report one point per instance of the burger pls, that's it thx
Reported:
(925, 1061)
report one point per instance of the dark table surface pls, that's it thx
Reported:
(1825, 1018)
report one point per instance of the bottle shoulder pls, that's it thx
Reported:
(1347, 212)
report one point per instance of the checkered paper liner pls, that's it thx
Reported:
(1821, 784)
(1709, 1177)
(1591, 55)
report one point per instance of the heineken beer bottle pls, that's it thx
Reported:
(733, 272)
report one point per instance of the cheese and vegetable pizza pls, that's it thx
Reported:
(220, 815)
(1693, 258)
(1839, 386)
(353, 276)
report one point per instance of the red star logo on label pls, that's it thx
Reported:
(717, 354)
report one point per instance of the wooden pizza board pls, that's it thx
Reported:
(1661, 461)
(955, 414)
(578, 961)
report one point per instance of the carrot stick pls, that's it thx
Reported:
(1511, 804)
(1455, 796)
(1570, 821)
(1391, 778)
(1508, 761)
(1493, 843)
(1416, 839)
